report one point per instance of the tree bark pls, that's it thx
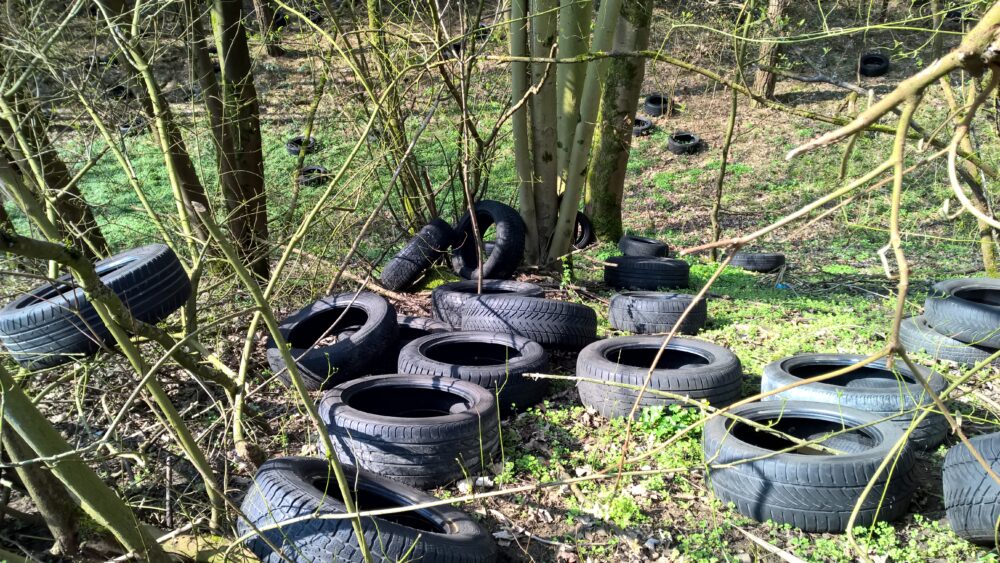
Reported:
(241, 170)
(543, 121)
(533, 249)
(763, 83)
(57, 508)
(265, 20)
(612, 145)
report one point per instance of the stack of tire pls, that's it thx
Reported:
(836, 424)
(961, 322)
(496, 259)
(645, 265)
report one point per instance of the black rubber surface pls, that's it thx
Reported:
(424, 431)
(873, 388)
(642, 127)
(873, 64)
(447, 299)
(758, 261)
(363, 326)
(654, 312)
(313, 175)
(693, 368)
(583, 233)
(684, 142)
(919, 336)
(55, 323)
(493, 361)
(967, 310)
(410, 329)
(633, 245)
(291, 487)
(549, 322)
(508, 242)
(300, 144)
(803, 486)
(636, 272)
(430, 243)
(971, 495)
(657, 104)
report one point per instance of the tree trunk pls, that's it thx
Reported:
(241, 170)
(543, 120)
(57, 508)
(265, 20)
(533, 249)
(31, 151)
(763, 82)
(612, 145)
(574, 39)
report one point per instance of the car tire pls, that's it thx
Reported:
(966, 310)
(654, 312)
(632, 245)
(365, 332)
(917, 335)
(873, 65)
(873, 388)
(642, 127)
(496, 362)
(971, 495)
(683, 142)
(758, 261)
(431, 242)
(508, 251)
(657, 104)
(815, 493)
(447, 299)
(55, 323)
(424, 431)
(583, 233)
(291, 487)
(300, 145)
(694, 368)
(549, 322)
(637, 272)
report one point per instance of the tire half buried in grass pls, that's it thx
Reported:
(814, 488)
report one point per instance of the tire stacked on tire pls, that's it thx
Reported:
(896, 393)
(649, 273)
(971, 494)
(549, 322)
(612, 371)
(653, 312)
(961, 322)
(448, 299)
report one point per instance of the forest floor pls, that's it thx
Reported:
(834, 297)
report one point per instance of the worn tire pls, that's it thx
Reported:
(967, 310)
(654, 312)
(918, 336)
(815, 493)
(683, 142)
(447, 299)
(637, 272)
(424, 431)
(758, 261)
(633, 245)
(694, 368)
(370, 321)
(54, 324)
(657, 104)
(642, 127)
(971, 496)
(300, 144)
(410, 329)
(872, 388)
(290, 487)
(495, 362)
(873, 64)
(508, 243)
(549, 322)
(417, 256)
(583, 232)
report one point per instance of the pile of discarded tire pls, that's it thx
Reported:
(496, 259)
(645, 264)
(961, 322)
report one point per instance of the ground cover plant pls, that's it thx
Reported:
(127, 124)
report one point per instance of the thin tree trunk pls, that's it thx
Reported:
(612, 145)
(57, 508)
(543, 120)
(242, 164)
(574, 39)
(533, 249)
(720, 182)
(96, 498)
(265, 20)
(763, 83)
